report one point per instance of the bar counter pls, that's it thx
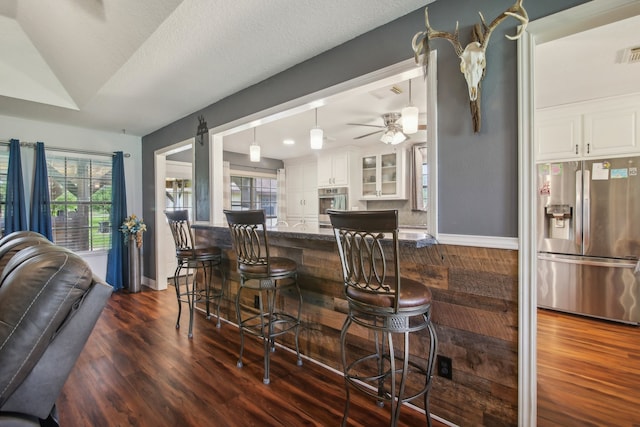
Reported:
(411, 237)
(320, 278)
(474, 311)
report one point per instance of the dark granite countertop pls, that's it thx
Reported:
(418, 237)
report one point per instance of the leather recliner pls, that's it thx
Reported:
(49, 303)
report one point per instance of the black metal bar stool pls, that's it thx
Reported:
(266, 275)
(189, 256)
(382, 301)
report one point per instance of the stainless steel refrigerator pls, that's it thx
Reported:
(588, 223)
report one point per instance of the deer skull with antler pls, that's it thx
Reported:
(473, 56)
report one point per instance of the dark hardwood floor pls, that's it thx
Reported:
(138, 370)
(588, 372)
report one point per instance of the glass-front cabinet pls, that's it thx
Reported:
(383, 176)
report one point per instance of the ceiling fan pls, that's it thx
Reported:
(392, 126)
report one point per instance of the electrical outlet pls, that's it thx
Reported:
(256, 301)
(445, 368)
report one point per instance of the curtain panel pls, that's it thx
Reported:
(40, 218)
(117, 259)
(15, 215)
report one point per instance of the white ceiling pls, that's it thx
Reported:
(363, 105)
(138, 65)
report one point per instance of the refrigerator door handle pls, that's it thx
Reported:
(568, 259)
(578, 213)
(586, 216)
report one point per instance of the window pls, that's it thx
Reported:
(178, 194)
(425, 181)
(80, 191)
(4, 168)
(251, 192)
(420, 170)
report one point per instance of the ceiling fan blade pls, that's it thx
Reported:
(362, 124)
(368, 134)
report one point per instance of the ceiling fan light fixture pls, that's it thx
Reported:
(316, 136)
(254, 149)
(393, 137)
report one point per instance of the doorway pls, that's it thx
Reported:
(167, 169)
(178, 196)
(580, 18)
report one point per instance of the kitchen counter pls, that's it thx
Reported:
(413, 237)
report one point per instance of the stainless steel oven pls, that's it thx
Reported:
(331, 198)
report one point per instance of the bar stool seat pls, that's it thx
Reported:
(202, 259)
(266, 276)
(413, 295)
(199, 254)
(387, 304)
(277, 267)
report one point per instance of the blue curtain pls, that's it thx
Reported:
(40, 218)
(16, 215)
(117, 259)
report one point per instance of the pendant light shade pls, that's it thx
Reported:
(254, 149)
(410, 119)
(409, 116)
(316, 136)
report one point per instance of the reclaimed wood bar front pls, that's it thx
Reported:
(474, 311)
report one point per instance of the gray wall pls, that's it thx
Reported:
(478, 173)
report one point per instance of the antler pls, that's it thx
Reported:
(421, 48)
(516, 11)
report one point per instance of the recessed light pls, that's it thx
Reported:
(288, 142)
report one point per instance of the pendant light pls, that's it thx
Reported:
(316, 135)
(254, 149)
(410, 116)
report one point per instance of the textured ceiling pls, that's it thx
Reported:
(138, 65)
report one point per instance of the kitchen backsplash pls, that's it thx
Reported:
(406, 216)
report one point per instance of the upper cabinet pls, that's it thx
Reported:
(334, 169)
(601, 128)
(383, 175)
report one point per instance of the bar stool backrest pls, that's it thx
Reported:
(368, 255)
(181, 230)
(249, 237)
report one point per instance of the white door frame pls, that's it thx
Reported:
(562, 24)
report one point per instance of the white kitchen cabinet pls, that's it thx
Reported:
(333, 169)
(302, 192)
(613, 131)
(593, 129)
(383, 175)
(558, 135)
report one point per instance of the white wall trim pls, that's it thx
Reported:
(479, 241)
(527, 291)
(432, 140)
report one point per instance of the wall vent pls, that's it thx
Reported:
(630, 55)
(386, 92)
